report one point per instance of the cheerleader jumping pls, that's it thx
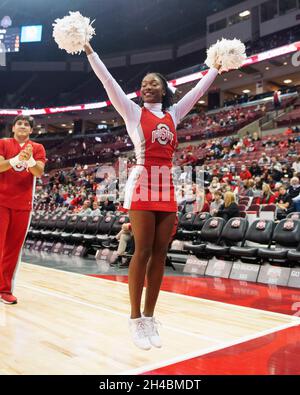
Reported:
(149, 191)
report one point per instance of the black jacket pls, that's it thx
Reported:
(229, 212)
(293, 192)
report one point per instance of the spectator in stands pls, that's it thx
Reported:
(245, 173)
(124, 237)
(255, 137)
(85, 210)
(296, 165)
(229, 209)
(277, 100)
(216, 203)
(68, 200)
(287, 132)
(267, 196)
(292, 150)
(255, 170)
(227, 176)
(78, 200)
(276, 174)
(258, 183)
(264, 160)
(275, 163)
(59, 198)
(250, 188)
(215, 185)
(96, 209)
(294, 188)
(287, 173)
(295, 129)
(284, 204)
(108, 205)
(121, 204)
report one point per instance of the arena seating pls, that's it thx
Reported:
(262, 241)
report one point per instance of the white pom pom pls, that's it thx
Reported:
(230, 54)
(72, 32)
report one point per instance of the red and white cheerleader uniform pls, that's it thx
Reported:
(153, 133)
(16, 194)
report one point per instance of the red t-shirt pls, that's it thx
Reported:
(17, 184)
(245, 175)
(271, 200)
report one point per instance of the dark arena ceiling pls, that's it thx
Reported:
(121, 25)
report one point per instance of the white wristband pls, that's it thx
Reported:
(31, 162)
(14, 161)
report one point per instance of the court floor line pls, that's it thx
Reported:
(204, 351)
(238, 307)
(74, 300)
(219, 345)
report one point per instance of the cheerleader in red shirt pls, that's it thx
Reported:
(149, 192)
(21, 161)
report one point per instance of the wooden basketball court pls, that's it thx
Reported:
(67, 323)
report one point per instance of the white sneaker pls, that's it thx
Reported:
(139, 334)
(152, 332)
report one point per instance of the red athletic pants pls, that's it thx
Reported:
(13, 228)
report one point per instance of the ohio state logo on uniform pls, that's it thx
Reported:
(21, 166)
(162, 134)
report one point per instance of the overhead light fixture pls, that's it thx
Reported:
(63, 125)
(287, 81)
(244, 13)
(246, 91)
(285, 63)
(201, 101)
(267, 68)
(70, 131)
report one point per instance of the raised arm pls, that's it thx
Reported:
(184, 106)
(128, 110)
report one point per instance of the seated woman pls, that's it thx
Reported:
(217, 203)
(229, 209)
(267, 196)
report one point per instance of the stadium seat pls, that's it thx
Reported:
(268, 211)
(295, 215)
(286, 237)
(69, 228)
(112, 242)
(91, 229)
(185, 229)
(210, 233)
(60, 226)
(79, 229)
(254, 207)
(232, 234)
(51, 225)
(259, 233)
(104, 230)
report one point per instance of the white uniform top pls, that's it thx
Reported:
(131, 112)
